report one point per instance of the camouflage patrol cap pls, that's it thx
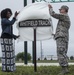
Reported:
(64, 7)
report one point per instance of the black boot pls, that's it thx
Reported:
(64, 71)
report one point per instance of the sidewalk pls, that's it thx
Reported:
(39, 64)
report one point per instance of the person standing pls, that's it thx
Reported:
(62, 36)
(7, 36)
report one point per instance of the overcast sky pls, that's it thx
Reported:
(48, 46)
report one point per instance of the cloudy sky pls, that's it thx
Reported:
(48, 46)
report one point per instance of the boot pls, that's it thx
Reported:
(64, 71)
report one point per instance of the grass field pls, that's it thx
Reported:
(44, 61)
(43, 70)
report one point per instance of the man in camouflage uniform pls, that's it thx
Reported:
(62, 36)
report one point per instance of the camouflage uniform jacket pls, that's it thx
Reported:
(63, 25)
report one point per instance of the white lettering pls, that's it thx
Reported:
(33, 23)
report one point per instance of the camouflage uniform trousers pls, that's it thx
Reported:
(62, 48)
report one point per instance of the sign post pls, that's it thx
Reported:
(35, 64)
(34, 23)
(34, 47)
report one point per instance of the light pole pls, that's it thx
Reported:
(34, 45)
(41, 50)
(25, 42)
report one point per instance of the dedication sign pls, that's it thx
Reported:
(35, 23)
(35, 15)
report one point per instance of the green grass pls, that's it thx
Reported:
(43, 70)
(43, 61)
